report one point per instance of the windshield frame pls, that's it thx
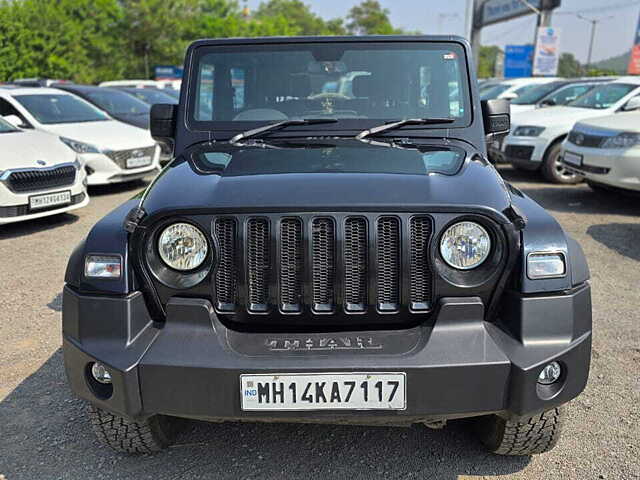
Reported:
(343, 124)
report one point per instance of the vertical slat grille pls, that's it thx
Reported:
(291, 265)
(388, 263)
(323, 264)
(355, 264)
(226, 275)
(420, 276)
(258, 264)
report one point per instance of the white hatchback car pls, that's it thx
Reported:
(606, 151)
(39, 175)
(112, 151)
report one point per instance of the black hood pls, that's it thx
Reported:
(189, 186)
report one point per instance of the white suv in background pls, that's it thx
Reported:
(111, 151)
(510, 89)
(39, 176)
(535, 141)
(606, 151)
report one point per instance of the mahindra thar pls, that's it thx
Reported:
(329, 244)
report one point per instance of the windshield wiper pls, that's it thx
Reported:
(401, 123)
(256, 132)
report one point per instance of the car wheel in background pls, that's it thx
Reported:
(525, 436)
(553, 169)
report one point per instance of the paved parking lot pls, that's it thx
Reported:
(43, 434)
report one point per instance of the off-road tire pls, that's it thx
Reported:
(128, 436)
(528, 436)
(553, 170)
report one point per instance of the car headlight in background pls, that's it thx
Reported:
(465, 245)
(546, 265)
(182, 246)
(622, 140)
(528, 131)
(79, 147)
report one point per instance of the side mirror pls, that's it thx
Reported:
(632, 104)
(496, 116)
(16, 121)
(547, 103)
(163, 123)
(509, 96)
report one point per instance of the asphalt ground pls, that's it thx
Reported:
(44, 435)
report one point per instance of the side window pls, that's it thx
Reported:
(7, 109)
(204, 95)
(238, 83)
(569, 94)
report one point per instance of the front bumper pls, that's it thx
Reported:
(456, 366)
(102, 170)
(535, 148)
(610, 167)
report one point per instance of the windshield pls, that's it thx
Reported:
(60, 108)
(494, 91)
(603, 96)
(386, 81)
(6, 127)
(118, 103)
(152, 96)
(329, 158)
(534, 93)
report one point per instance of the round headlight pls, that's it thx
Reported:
(465, 245)
(182, 246)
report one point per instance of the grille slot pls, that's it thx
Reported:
(291, 265)
(120, 157)
(586, 140)
(258, 264)
(388, 278)
(420, 271)
(41, 179)
(226, 278)
(355, 264)
(323, 264)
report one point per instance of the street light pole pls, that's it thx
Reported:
(593, 22)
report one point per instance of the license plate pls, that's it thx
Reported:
(136, 162)
(324, 391)
(573, 159)
(49, 200)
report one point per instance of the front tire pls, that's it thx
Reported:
(527, 436)
(553, 169)
(129, 436)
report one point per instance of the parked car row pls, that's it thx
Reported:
(63, 137)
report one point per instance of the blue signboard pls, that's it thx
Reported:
(518, 61)
(168, 72)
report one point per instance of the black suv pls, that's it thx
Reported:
(329, 244)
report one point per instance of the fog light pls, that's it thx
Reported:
(100, 373)
(550, 373)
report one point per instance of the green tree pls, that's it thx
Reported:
(369, 18)
(75, 39)
(300, 17)
(487, 61)
(569, 66)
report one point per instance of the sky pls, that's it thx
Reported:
(614, 33)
